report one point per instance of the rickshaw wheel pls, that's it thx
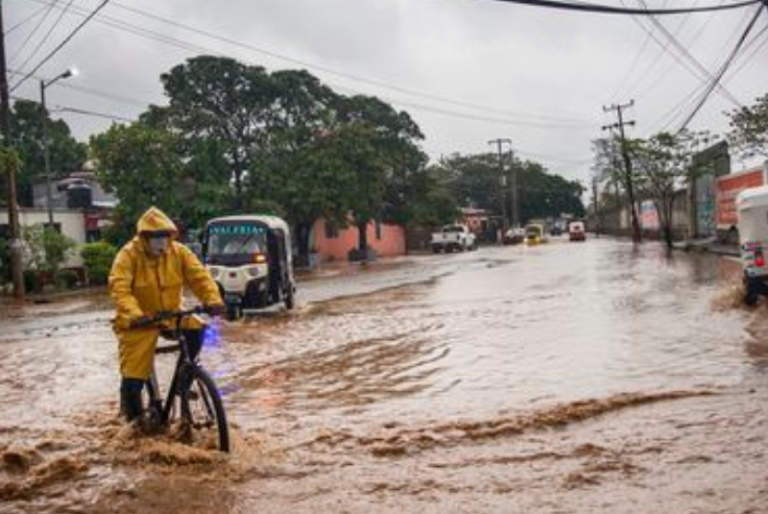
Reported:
(233, 312)
(290, 301)
(751, 294)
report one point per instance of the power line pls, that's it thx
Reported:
(675, 112)
(24, 21)
(61, 45)
(684, 51)
(47, 35)
(605, 9)
(33, 31)
(77, 110)
(156, 36)
(722, 71)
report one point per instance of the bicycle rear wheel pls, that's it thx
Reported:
(202, 411)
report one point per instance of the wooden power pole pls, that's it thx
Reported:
(11, 164)
(628, 178)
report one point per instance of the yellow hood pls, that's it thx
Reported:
(155, 220)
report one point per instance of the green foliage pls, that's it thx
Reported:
(66, 154)
(98, 258)
(664, 165)
(142, 166)
(5, 262)
(45, 248)
(65, 279)
(749, 126)
(33, 280)
(476, 180)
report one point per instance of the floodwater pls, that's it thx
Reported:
(565, 378)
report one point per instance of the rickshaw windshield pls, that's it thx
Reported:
(235, 242)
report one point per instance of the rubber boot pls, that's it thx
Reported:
(130, 399)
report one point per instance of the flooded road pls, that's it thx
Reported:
(562, 378)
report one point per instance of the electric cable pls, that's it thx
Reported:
(61, 45)
(606, 9)
(24, 21)
(45, 37)
(32, 33)
(722, 71)
(179, 43)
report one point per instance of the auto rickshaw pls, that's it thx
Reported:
(576, 231)
(752, 208)
(534, 234)
(250, 259)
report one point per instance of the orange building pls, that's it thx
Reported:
(333, 243)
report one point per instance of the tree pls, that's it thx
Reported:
(430, 202)
(612, 168)
(218, 99)
(381, 148)
(142, 166)
(749, 125)
(664, 165)
(66, 154)
(475, 180)
(45, 249)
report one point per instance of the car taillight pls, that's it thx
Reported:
(759, 259)
(260, 258)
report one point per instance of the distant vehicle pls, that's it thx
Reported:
(514, 236)
(556, 231)
(576, 231)
(535, 234)
(453, 238)
(752, 209)
(250, 259)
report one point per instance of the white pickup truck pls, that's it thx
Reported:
(453, 237)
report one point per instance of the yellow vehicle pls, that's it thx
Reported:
(534, 234)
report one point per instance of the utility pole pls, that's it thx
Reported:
(628, 179)
(13, 213)
(595, 201)
(499, 144)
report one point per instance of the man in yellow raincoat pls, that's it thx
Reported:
(148, 276)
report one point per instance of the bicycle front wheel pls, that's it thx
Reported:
(202, 411)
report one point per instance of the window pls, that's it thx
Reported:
(378, 230)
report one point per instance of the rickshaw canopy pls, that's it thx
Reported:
(752, 208)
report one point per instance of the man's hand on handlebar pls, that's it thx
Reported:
(215, 310)
(142, 321)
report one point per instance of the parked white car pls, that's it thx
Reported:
(453, 238)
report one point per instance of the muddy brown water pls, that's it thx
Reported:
(588, 377)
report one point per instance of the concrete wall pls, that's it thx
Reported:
(390, 244)
(72, 225)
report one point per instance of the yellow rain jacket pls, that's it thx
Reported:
(142, 284)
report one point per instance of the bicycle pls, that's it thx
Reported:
(199, 404)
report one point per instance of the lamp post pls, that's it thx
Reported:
(43, 85)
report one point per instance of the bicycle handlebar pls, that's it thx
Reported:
(166, 315)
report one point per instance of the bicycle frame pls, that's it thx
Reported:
(184, 364)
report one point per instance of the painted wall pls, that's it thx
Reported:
(72, 226)
(391, 243)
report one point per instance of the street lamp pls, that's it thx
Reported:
(70, 72)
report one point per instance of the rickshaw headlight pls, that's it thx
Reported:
(253, 271)
(260, 258)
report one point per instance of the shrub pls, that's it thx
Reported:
(5, 262)
(46, 249)
(98, 258)
(65, 279)
(33, 281)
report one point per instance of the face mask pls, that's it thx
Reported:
(158, 245)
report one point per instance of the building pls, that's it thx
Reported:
(330, 242)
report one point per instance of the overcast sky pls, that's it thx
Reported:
(466, 70)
